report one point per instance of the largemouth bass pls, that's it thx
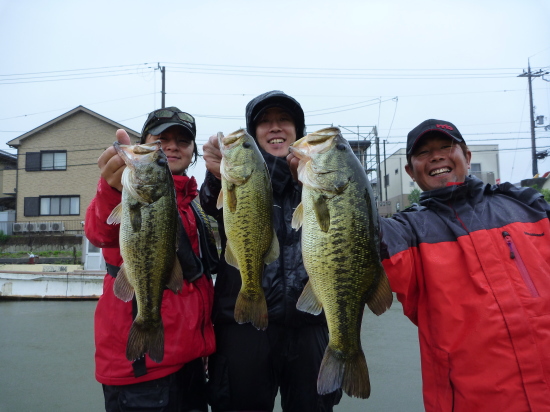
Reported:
(148, 220)
(247, 201)
(340, 249)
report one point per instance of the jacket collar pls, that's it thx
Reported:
(278, 170)
(472, 188)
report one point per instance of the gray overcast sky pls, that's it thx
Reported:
(387, 63)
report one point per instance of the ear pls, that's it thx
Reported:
(409, 171)
(468, 157)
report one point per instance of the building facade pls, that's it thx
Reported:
(57, 171)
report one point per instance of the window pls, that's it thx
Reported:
(59, 205)
(386, 180)
(396, 171)
(46, 160)
(475, 167)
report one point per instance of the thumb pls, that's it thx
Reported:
(122, 137)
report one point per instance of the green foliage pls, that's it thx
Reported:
(45, 253)
(414, 196)
(546, 194)
(3, 237)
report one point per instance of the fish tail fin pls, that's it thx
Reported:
(144, 339)
(351, 374)
(251, 308)
(382, 298)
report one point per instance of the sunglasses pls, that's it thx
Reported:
(163, 114)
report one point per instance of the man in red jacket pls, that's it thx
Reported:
(471, 266)
(178, 382)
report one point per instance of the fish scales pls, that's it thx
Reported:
(247, 202)
(148, 235)
(340, 253)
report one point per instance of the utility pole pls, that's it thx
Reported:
(529, 76)
(378, 171)
(163, 92)
(385, 173)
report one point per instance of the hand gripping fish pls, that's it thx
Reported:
(340, 249)
(148, 220)
(247, 201)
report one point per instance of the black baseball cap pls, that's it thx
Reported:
(275, 98)
(161, 119)
(432, 125)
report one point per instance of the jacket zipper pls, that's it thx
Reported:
(514, 254)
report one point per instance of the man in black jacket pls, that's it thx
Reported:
(250, 365)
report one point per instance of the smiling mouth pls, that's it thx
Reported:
(440, 171)
(276, 141)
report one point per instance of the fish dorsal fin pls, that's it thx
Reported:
(308, 302)
(322, 213)
(116, 215)
(298, 217)
(230, 257)
(123, 288)
(382, 298)
(273, 252)
(175, 281)
(219, 203)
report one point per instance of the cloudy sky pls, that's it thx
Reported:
(355, 64)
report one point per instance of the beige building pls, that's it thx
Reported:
(57, 173)
(397, 184)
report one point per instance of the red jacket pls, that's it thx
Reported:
(186, 316)
(472, 270)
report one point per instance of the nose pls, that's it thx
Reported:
(169, 144)
(437, 155)
(274, 126)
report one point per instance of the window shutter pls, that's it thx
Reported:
(32, 161)
(32, 206)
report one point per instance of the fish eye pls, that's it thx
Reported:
(246, 145)
(341, 146)
(162, 161)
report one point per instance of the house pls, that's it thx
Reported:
(8, 170)
(56, 174)
(397, 185)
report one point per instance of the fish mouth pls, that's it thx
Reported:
(440, 171)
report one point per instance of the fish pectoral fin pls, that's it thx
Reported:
(231, 197)
(230, 257)
(308, 302)
(298, 217)
(122, 288)
(273, 252)
(116, 215)
(219, 202)
(322, 212)
(175, 281)
(382, 298)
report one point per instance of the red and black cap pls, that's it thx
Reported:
(432, 126)
(161, 119)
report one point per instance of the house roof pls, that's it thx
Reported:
(8, 157)
(17, 141)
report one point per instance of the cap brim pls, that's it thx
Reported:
(155, 131)
(456, 139)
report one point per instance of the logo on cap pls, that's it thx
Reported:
(444, 126)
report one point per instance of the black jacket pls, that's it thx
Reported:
(284, 279)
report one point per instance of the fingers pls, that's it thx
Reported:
(293, 162)
(111, 165)
(212, 155)
(122, 137)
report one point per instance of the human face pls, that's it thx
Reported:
(178, 146)
(438, 160)
(275, 131)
